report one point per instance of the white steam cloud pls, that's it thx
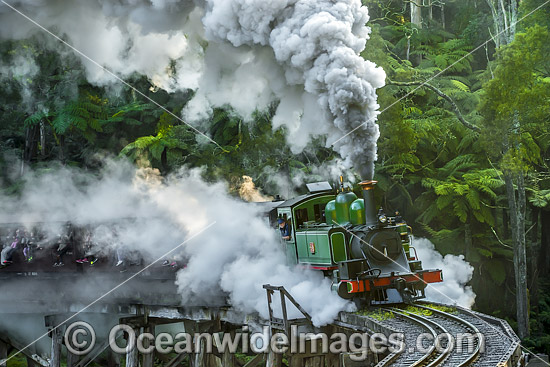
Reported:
(457, 273)
(226, 264)
(301, 54)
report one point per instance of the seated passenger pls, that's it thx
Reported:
(62, 248)
(90, 251)
(8, 250)
(64, 244)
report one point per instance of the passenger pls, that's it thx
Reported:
(4, 255)
(9, 250)
(284, 228)
(61, 248)
(120, 252)
(170, 263)
(27, 244)
(33, 245)
(90, 251)
(64, 243)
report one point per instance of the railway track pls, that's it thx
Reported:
(439, 335)
(463, 340)
(420, 352)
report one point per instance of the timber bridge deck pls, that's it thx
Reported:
(41, 305)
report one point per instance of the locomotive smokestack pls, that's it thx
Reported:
(370, 206)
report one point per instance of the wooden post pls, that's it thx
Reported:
(149, 357)
(212, 361)
(199, 356)
(295, 360)
(31, 362)
(3, 352)
(190, 328)
(113, 359)
(315, 361)
(176, 361)
(56, 347)
(228, 359)
(332, 360)
(72, 359)
(132, 356)
(274, 359)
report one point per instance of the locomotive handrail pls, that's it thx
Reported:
(360, 275)
(415, 253)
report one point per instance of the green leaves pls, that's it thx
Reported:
(497, 270)
(514, 99)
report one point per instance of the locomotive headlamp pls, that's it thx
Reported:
(382, 219)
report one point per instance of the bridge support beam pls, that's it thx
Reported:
(55, 358)
(149, 357)
(228, 358)
(274, 359)
(31, 362)
(113, 359)
(3, 352)
(132, 356)
(72, 359)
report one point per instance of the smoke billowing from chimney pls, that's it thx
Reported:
(301, 54)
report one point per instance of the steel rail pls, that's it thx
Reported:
(475, 354)
(433, 357)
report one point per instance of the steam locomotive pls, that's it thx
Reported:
(367, 254)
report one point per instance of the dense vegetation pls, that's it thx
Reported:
(464, 156)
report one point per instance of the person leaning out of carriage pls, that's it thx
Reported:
(284, 228)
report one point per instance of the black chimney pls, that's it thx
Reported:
(370, 207)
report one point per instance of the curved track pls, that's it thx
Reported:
(467, 338)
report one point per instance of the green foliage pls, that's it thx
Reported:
(497, 270)
(377, 314)
(513, 102)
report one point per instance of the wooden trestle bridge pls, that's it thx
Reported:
(43, 305)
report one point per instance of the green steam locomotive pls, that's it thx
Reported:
(367, 254)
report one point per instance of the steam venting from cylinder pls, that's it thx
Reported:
(370, 206)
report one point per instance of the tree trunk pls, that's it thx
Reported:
(416, 13)
(430, 11)
(502, 13)
(443, 14)
(516, 205)
(497, 21)
(534, 251)
(416, 19)
(468, 242)
(42, 140)
(505, 224)
(544, 252)
(62, 148)
(513, 19)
